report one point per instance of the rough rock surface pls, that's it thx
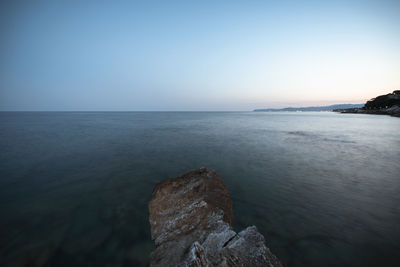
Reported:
(191, 220)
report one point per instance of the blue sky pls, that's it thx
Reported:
(196, 55)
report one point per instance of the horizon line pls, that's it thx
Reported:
(179, 110)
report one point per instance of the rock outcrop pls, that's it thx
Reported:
(191, 220)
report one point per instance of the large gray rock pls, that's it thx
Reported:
(191, 220)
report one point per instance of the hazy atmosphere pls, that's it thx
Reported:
(203, 55)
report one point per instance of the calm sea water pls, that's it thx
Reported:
(323, 188)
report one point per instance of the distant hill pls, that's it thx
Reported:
(318, 108)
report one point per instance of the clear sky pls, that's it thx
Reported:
(196, 55)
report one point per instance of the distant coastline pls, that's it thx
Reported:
(388, 104)
(313, 108)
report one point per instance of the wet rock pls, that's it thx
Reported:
(191, 220)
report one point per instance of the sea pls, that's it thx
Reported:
(323, 188)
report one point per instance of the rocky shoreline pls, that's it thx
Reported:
(392, 111)
(191, 219)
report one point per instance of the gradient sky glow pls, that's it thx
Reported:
(196, 55)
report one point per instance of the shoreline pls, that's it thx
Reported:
(393, 111)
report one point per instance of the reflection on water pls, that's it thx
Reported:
(322, 187)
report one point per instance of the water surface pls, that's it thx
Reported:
(323, 188)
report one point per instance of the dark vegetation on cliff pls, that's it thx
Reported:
(384, 101)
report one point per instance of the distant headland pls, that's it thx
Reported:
(381, 105)
(316, 108)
